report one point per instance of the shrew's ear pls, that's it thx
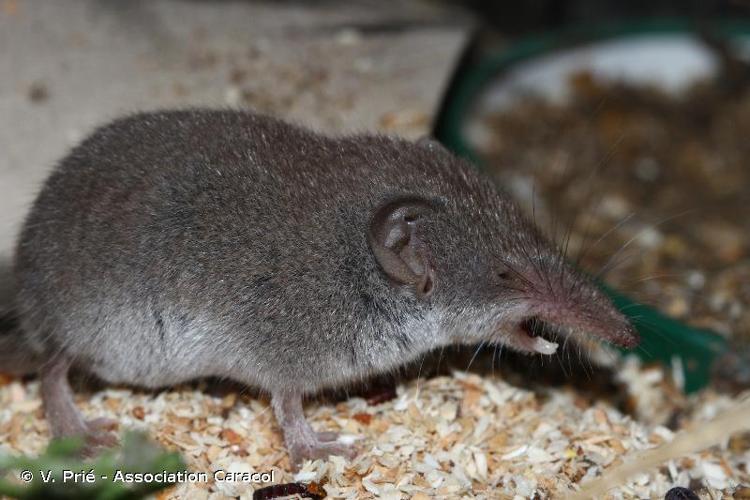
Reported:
(394, 239)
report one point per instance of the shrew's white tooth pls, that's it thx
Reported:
(543, 346)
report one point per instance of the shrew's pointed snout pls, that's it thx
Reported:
(606, 321)
(594, 315)
(583, 311)
(568, 303)
(626, 336)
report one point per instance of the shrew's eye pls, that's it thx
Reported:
(503, 275)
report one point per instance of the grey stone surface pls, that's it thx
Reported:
(67, 66)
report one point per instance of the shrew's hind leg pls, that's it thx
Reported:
(63, 417)
(301, 440)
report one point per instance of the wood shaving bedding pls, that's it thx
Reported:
(456, 436)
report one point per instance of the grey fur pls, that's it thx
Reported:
(175, 245)
(16, 356)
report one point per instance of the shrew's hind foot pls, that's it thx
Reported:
(63, 417)
(302, 442)
(327, 436)
(299, 451)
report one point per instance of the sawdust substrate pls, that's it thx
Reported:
(456, 436)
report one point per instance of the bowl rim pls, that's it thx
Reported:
(467, 88)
